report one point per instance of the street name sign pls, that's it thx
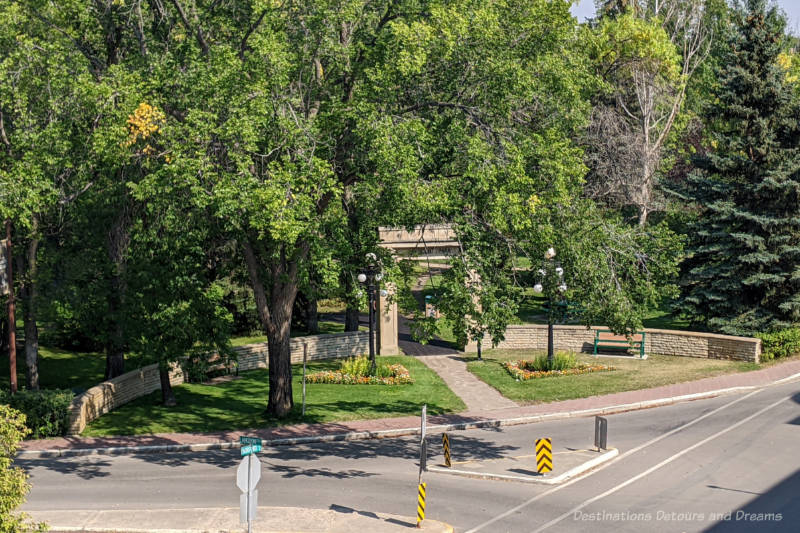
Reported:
(249, 440)
(250, 448)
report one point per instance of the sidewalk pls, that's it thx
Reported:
(390, 427)
(226, 519)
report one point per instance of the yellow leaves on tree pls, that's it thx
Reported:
(145, 122)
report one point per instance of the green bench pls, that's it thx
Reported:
(605, 338)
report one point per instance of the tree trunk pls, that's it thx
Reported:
(351, 314)
(280, 368)
(167, 396)
(118, 241)
(312, 316)
(29, 290)
(276, 319)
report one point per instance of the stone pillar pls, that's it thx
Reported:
(474, 280)
(387, 323)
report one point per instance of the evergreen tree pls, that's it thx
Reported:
(741, 274)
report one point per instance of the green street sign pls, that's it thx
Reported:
(249, 440)
(250, 449)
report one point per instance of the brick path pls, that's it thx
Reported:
(451, 367)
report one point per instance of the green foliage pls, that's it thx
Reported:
(13, 480)
(46, 411)
(357, 366)
(782, 343)
(741, 276)
(561, 361)
(360, 367)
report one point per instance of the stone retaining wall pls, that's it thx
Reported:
(657, 341)
(109, 395)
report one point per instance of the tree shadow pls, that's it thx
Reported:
(774, 510)
(81, 468)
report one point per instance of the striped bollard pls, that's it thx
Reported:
(544, 455)
(446, 444)
(421, 503)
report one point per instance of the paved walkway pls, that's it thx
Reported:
(756, 378)
(451, 367)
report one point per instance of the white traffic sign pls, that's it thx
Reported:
(247, 509)
(248, 473)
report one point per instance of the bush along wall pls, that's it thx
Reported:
(779, 343)
(46, 411)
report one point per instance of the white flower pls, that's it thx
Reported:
(550, 253)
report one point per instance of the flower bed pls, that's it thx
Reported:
(518, 369)
(398, 376)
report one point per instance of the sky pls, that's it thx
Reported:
(585, 8)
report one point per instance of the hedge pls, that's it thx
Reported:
(780, 343)
(46, 411)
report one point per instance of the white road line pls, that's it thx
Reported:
(626, 454)
(656, 467)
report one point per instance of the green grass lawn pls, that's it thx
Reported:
(240, 403)
(631, 374)
(61, 369)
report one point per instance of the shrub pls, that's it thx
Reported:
(355, 366)
(561, 361)
(385, 375)
(46, 411)
(565, 365)
(779, 343)
(13, 480)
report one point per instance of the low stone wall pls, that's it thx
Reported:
(109, 395)
(657, 341)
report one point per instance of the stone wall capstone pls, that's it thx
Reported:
(657, 341)
(110, 394)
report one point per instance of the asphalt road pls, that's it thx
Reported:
(726, 464)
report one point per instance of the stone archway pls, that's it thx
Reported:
(424, 242)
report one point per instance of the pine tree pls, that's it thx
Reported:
(741, 274)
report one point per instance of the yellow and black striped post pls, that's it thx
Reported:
(421, 503)
(446, 444)
(544, 456)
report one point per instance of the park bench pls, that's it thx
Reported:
(605, 338)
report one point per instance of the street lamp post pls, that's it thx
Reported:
(553, 287)
(371, 276)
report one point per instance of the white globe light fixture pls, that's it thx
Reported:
(538, 288)
(559, 271)
(362, 278)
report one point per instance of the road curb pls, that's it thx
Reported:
(391, 433)
(571, 473)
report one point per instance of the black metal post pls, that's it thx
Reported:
(550, 340)
(480, 341)
(371, 294)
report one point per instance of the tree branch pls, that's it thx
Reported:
(201, 40)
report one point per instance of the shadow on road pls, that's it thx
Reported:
(82, 468)
(774, 510)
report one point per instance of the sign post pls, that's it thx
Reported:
(305, 357)
(247, 476)
(423, 447)
(600, 433)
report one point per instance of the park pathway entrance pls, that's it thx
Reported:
(450, 365)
